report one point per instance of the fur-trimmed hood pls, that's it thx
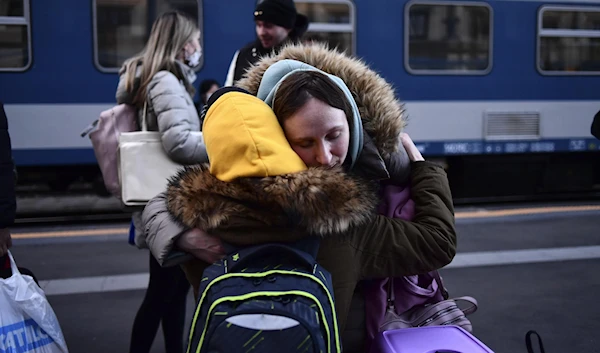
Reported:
(382, 114)
(318, 201)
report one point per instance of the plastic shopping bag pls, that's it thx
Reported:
(27, 321)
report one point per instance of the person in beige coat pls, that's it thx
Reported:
(158, 82)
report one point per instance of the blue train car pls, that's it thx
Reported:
(488, 85)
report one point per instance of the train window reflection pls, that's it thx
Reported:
(13, 8)
(322, 12)
(569, 41)
(580, 20)
(15, 35)
(331, 21)
(121, 27)
(448, 39)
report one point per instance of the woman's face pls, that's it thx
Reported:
(318, 133)
(193, 45)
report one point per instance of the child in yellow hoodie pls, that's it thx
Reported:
(258, 190)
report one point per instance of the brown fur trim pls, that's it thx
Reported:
(382, 114)
(318, 200)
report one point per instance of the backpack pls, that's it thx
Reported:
(104, 134)
(265, 298)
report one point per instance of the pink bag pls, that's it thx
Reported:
(105, 140)
(445, 312)
(409, 291)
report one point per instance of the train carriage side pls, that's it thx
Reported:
(502, 90)
(491, 87)
(59, 69)
(44, 59)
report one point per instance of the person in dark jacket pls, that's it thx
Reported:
(277, 23)
(595, 129)
(8, 205)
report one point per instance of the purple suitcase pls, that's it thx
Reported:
(431, 339)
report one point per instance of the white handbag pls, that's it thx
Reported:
(144, 166)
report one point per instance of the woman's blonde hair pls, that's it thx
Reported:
(171, 31)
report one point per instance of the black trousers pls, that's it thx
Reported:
(165, 302)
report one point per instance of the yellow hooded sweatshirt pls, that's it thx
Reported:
(243, 138)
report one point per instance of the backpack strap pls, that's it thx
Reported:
(440, 283)
(89, 128)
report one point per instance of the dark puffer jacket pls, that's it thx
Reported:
(7, 177)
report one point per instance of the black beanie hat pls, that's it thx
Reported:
(278, 12)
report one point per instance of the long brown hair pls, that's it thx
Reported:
(301, 86)
(171, 31)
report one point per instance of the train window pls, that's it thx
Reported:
(447, 38)
(568, 41)
(331, 21)
(15, 35)
(121, 28)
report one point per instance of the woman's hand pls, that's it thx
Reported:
(413, 152)
(5, 241)
(202, 245)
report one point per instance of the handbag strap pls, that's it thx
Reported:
(390, 293)
(144, 122)
(440, 283)
(528, 342)
(438, 279)
(469, 310)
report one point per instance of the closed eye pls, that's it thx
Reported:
(334, 136)
(306, 144)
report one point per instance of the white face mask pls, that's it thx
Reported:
(193, 59)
